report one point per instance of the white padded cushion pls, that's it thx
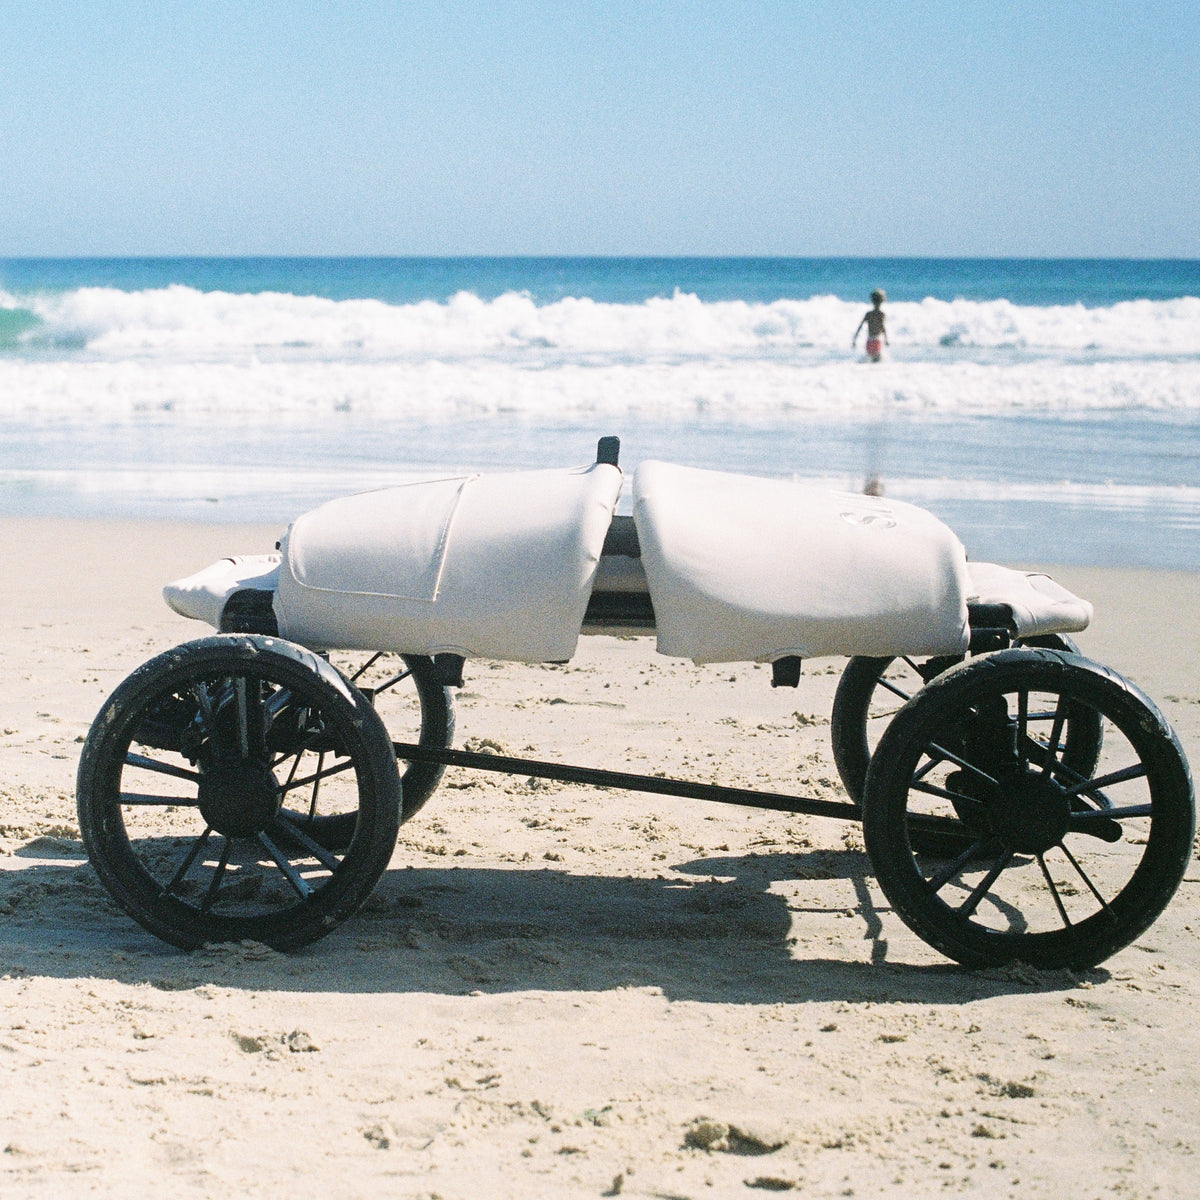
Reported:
(742, 569)
(202, 596)
(1039, 605)
(491, 566)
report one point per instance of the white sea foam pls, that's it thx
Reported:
(185, 323)
(741, 390)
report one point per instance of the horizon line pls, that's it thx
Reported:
(196, 257)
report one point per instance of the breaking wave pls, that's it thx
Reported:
(185, 323)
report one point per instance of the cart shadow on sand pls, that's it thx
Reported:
(717, 930)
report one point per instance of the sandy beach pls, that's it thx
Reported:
(558, 991)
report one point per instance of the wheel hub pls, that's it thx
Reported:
(1029, 813)
(239, 799)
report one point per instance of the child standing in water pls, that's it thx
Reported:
(876, 340)
(876, 329)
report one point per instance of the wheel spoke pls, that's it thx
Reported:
(383, 687)
(948, 872)
(981, 889)
(929, 765)
(281, 861)
(214, 885)
(239, 699)
(1081, 788)
(1088, 786)
(929, 823)
(1111, 814)
(312, 804)
(186, 865)
(1078, 785)
(292, 772)
(891, 687)
(366, 666)
(162, 768)
(1052, 748)
(146, 800)
(1022, 727)
(251, 714)
(948, 756)
(1062, 912)
(1031, 750)
(299, 783)
(1090, 885)
(289, 826)
(932, 789)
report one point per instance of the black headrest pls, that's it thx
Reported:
(608, 450)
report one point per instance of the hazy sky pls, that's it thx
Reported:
(1023, 127)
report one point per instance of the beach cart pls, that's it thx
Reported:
(1022, 802)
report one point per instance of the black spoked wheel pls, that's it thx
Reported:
(208, 783)
(872, 690)
(1059, 867)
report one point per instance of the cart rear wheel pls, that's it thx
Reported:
(410, 699)
(204, 783)
(1059, 867)
(416, 706)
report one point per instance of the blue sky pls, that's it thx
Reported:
(600, 127)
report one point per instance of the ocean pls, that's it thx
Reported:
(1048, 410)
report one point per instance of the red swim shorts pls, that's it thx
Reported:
(875, 348)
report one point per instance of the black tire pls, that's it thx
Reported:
(872, 690)
(236, 746)
(1060, 868)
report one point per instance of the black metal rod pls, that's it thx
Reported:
(627, 782)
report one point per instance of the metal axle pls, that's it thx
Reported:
(565, 773)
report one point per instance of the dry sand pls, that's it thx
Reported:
(553, 985)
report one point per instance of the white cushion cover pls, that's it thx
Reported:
(202, 596)
(737, 568)
(1039, 605)
(741, 568)
(491, 566)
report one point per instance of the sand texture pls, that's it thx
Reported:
(559, 991)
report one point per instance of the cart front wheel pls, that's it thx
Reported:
(1059, 866)
(208, 779)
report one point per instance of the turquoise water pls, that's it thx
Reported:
(1037, 281)
(1049, 410)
